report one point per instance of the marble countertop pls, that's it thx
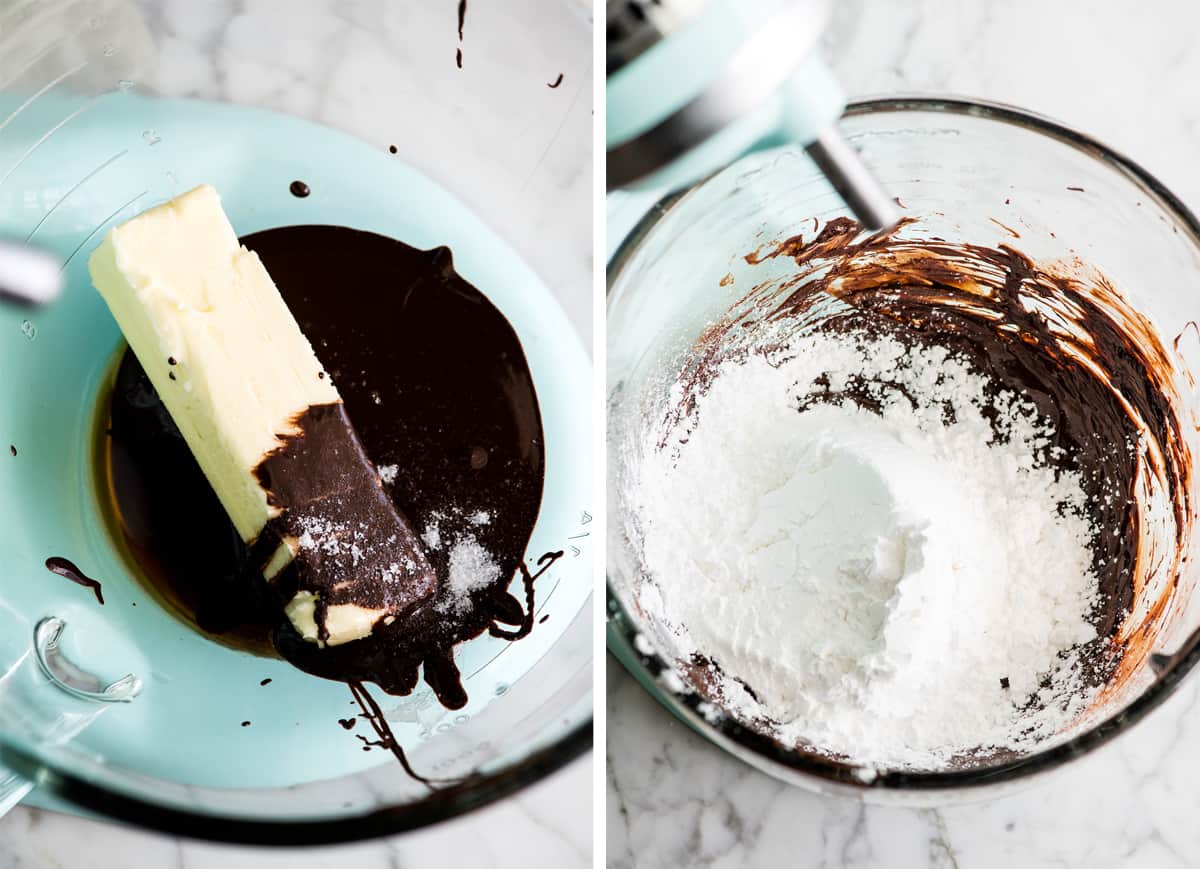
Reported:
(673, 800)
(495, 133)
(547, 825)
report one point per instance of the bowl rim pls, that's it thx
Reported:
(817, 773)
(443, 804)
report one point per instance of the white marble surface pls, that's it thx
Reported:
(1128, 76)
(546, 826)
(494, 133)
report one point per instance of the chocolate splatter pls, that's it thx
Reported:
(556, 82)
(299, 189)
(65, 568)
(1005, 227)
(462, 19)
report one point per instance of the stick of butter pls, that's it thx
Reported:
(262, 418)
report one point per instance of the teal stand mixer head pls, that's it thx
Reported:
(695, 84)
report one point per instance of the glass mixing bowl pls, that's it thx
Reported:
(109, 106)
(969, 172)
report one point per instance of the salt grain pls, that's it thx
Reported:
(472, 568)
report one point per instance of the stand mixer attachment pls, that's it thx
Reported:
(692, 85)
(28, 276)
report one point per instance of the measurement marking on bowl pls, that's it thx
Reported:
(508, 646)
(39, 93)
(79, 111)
(32, 62)
(78, 184)
(101, 226)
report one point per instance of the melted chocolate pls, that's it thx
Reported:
(65, 568)
(299, 189)
(434, 378)
(556, 82)
(356, 546)
(1058, 335)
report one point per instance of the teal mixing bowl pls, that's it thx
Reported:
(83, 145)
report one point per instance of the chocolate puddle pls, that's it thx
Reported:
(435, 380)
(67, 569)
(1058, 334)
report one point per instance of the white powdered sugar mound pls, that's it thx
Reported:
(892, 587)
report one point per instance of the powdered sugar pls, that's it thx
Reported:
(891, 586)
(387, 473)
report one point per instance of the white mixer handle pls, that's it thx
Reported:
(28, 275)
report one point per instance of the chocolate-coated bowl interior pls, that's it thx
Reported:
(1007, 199)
